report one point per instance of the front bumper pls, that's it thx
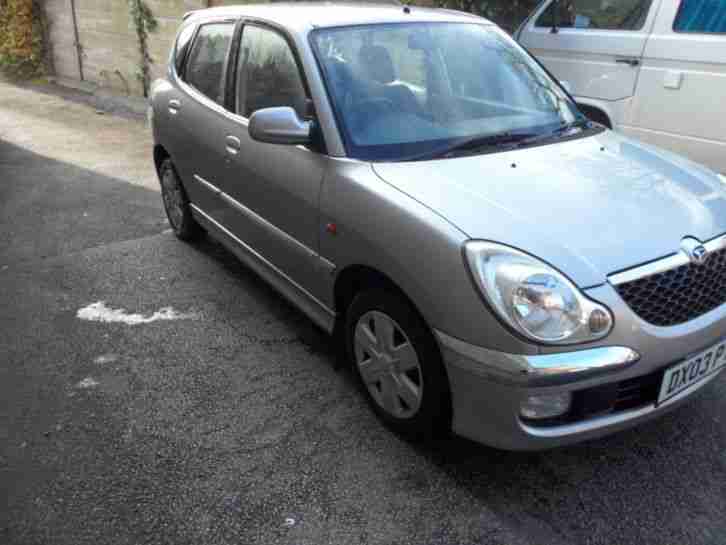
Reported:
(488, 388)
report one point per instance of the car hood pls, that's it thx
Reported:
(590, 207)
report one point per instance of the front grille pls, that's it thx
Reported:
(678, 295)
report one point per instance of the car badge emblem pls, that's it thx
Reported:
(697, 252)
(699, 255)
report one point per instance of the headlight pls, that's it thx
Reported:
(533, 298)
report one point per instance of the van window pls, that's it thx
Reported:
(268, 73)
(706, 16)
(595, 14)
(207, 60)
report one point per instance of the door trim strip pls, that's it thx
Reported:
(234, 203)
(213, 188)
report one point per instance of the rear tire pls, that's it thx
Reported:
(398, 364)
(176, 204)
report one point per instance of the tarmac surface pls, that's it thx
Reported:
(206, 409)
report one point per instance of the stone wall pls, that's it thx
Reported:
(108, 39)
(110, 46)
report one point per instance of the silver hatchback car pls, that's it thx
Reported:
(419, 186)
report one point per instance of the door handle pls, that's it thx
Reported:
(174, 106)
(629, 62)
(232, 145)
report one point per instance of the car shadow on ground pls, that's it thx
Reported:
(50, 208)
(633, 486)
(314, 338)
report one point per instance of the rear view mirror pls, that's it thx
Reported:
(279, 126)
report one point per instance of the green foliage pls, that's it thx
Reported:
(21, 39)
(506, 13)
(144, 23)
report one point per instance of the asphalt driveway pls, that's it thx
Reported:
(189, 403)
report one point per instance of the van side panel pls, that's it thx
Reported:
(679, 102)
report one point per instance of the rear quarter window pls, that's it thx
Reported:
(182, 46)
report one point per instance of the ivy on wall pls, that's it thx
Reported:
(144, 23)
(21, 39)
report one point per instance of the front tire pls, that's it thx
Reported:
(176, 204)
(397, 361)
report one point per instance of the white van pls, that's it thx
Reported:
(654, 69)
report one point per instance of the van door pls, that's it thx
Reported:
(679, 103)
(595, 45)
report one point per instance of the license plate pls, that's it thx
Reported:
(687, 374)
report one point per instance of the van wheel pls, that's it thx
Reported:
(398, 364)
(176, 203)
(598, 116)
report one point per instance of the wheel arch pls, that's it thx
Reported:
(160, 154)
(596, 113)
(356, 278)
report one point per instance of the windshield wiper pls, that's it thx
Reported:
(509, 140)
(505, 139)
(582, 123)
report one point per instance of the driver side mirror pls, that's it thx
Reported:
(279, 125)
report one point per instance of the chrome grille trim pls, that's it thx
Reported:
(661, 265)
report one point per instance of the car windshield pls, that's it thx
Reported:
(417, 90)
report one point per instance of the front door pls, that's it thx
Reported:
(595, 45)
(273, 190)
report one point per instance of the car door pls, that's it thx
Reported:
(679, 101)
(595, 45)
(197, 115)
(272, 191)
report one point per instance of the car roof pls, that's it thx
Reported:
(301, 16)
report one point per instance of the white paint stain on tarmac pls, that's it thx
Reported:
(99, 312)
(105, 358)
(87, 382)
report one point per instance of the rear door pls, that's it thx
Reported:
(595, 45)
(197, 116)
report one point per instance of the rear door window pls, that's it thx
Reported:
(207, 60)
(704, 16)
(596, 14)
